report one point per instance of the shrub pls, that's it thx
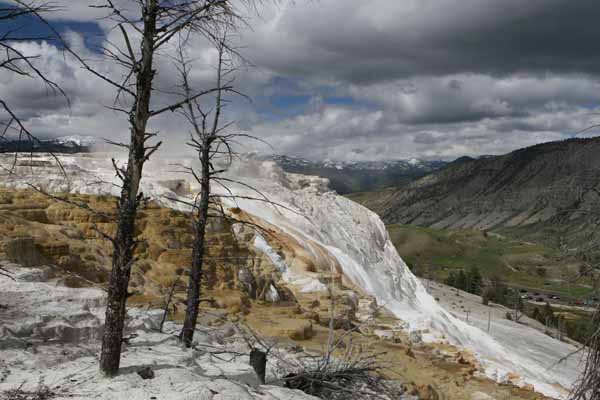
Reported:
(24, 251)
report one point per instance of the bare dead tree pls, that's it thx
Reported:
(588, 385)
(145, 32)
(213, 142)
(205, 132)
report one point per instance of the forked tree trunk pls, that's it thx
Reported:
(124, 244)
(195, 278)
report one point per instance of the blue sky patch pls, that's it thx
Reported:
(32, 28)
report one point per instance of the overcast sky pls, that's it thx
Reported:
(361, 79)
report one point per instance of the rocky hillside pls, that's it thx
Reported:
(547, 192)
(351, 177)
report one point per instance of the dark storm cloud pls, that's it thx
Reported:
(378, 40)
(455, 84)
(429, 138)
(555, 35)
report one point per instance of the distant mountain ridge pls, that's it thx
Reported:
(549, 192)
(358, 176)
(67, 144)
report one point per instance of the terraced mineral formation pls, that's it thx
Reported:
(314, 247)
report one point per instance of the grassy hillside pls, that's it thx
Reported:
(368, 198)
(544, 193)
(436, 252)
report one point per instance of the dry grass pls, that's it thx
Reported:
(355, 375)
(42, 392)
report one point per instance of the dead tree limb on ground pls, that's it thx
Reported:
(348, 369)
(169, 298)
(6, 274)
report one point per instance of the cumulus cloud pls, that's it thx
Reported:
(356, 79)
(378, 135)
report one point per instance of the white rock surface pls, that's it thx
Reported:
(50, 336)
(353, 237)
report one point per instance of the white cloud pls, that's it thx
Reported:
(421, 77)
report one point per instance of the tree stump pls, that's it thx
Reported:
(258, 361)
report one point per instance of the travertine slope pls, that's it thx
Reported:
(312, 233)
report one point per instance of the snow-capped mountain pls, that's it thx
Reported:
(414, 163)
(359, 176)
(66, 144)
(77, 141)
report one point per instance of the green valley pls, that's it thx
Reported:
(437, 252)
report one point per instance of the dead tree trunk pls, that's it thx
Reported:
(202, 141)
(153, 26)
(199, 225)
(211, 144)
(124, 243)
(162, 21)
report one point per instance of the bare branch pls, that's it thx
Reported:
(175, 106)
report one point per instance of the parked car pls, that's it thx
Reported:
(540, 299)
